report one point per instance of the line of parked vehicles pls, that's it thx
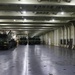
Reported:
(30, 41)
(7, 42)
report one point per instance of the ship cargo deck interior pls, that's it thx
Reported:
(37, 37)
(37, 60)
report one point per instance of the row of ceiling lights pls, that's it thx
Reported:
(24, 12)
(24, 19)
(52, 20)
(62, 13)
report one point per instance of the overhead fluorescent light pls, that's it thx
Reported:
(62, 13)
(14, 20)
(53, 20)
(24, 12)
(20, 7)
(24, 19)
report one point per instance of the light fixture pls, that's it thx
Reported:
(20, 7)
(24, 19)
(14, 20)
(26, 32)
(62, 13)
(4, 24)
(23, 12)
(53, 20)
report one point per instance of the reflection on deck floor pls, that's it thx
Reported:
(37, 60)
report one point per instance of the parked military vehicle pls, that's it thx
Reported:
(6, 42)
(34, 41)
(31, 41)
(23, 41)
(37, 40)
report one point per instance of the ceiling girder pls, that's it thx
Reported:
(32, 15)
(32, 25)
(35, 2)
(39, 17)
(50, 8)
(40, 12)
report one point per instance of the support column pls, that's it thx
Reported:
(49, 40)
(68, 33)
(58, 36)
(55, 37)
(65, 36)
(52, 38)
(62, 36)
(72, 35)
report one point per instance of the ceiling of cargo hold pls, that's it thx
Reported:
(35, 17)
